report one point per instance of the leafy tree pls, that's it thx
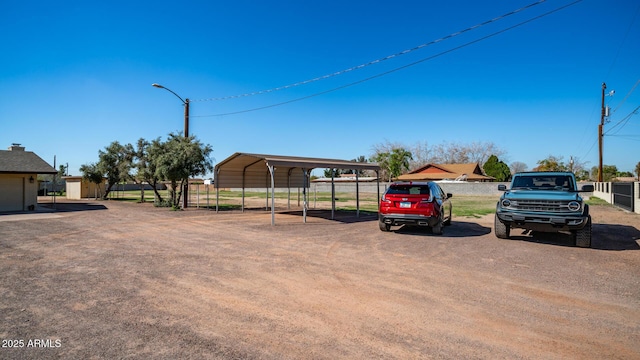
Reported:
(552, 163)
(582, 175)
(609, 172)
(359, 159)
(555, 163)
(183, 158)
(638, 170)
(93, 174)
(332, 172)
(62, 170)
(146, 166)
(115, 162)
(497, 169)
(393, 163)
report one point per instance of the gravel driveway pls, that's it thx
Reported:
(108, 279)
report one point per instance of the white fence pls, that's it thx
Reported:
(466, 188)
(605, 191)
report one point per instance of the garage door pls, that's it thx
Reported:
(11, 194)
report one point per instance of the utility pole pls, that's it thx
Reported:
(185, 189)
(186, 118)
(604, 87)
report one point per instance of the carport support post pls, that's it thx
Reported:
(378, 187)
(216, 183)
(333, 194)
(289, 189)
(273, 185)
(304, 195)
(357, 195)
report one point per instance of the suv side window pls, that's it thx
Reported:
(437, 191)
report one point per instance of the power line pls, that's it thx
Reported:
(626, 96)
(398, 68)
(624, 121)
(377, 61)
(628, 137)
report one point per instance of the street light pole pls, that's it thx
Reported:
(185, 190)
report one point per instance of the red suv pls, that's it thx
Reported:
(415, 203)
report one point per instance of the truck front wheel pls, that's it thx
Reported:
(582, 237)
(501, 229)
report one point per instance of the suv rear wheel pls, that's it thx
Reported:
(502, 230)
(437, 228)
(383, 226)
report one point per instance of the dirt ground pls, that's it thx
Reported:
(108, 279)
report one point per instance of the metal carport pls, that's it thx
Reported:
(243, 170)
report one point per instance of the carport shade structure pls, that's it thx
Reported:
(243, 170)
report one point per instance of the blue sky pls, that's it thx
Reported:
(77, 75)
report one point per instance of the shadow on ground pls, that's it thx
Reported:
(343, 216)
(71, 207)
(603, 237)
(615, 237)
(456, 229)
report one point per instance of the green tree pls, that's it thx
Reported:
(90, 172)
(146, 164)
(182, 158)
(393, 163)
(552, 163)
(336, 172)
(582, 175)
(497, 169)
(609, 172)
(359, 159)
(638, 170)
(115, 162)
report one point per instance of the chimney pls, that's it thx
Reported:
(16, 147)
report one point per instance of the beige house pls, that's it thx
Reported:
(77, 188)
(439, 172)
(19, 171)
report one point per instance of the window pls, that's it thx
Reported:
(409, 190)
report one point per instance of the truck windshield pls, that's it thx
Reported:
(547, 182)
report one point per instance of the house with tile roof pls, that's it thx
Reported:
(19, 170)
(441, 172)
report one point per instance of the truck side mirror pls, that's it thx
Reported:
(502, 187)
(587, 188)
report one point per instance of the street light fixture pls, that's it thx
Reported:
(185, 190)
(186, 107)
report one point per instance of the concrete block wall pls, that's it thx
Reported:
(604, 191)
(487, 188)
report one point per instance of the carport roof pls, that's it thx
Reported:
(242, 170)
(240, 161)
